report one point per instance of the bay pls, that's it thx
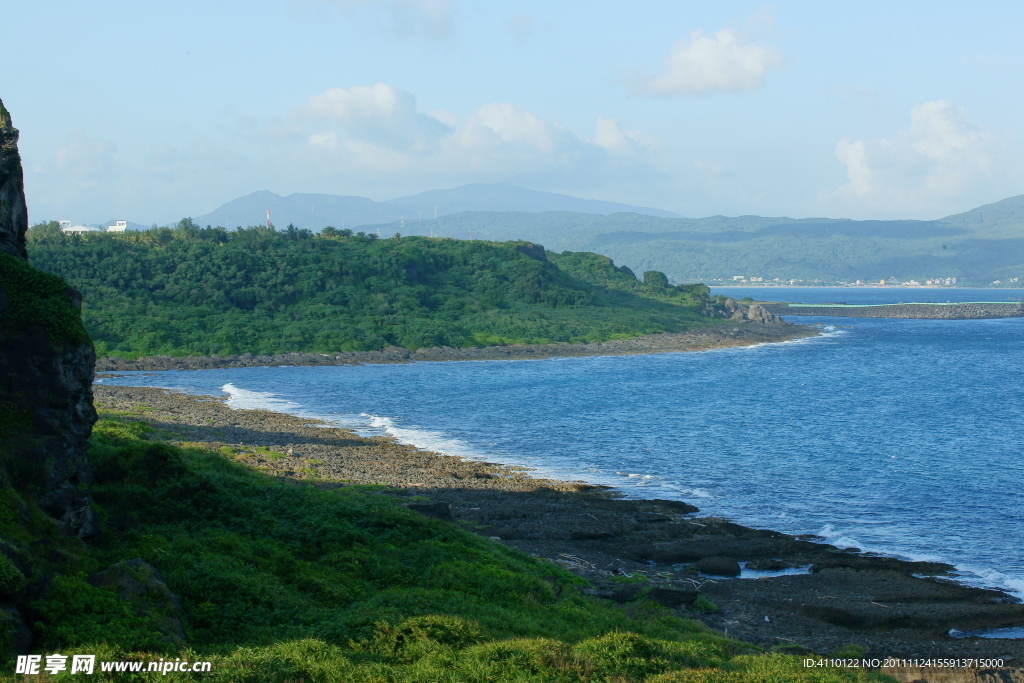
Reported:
(895, 436)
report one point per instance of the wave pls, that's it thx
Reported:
(244, 399)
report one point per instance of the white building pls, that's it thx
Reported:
(120, 227)
(68, 229)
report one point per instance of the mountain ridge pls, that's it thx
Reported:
(316, 211)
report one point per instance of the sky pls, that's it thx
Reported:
(154, 111)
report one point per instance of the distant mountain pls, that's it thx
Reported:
(507, 197)
(976, 247)
(316, 211)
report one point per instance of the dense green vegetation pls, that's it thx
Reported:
(291, 582)
(205, 291)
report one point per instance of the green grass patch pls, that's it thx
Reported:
(287, 582)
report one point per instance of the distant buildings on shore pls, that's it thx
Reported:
(68, 229)
(891, 282)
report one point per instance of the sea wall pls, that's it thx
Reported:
(957, 311)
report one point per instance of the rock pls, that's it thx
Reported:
(140, 584)
(13, 211)
(442, 511)
(759, 314)
(46, 367)
(718, 566)
(841, 560)
(677, 505)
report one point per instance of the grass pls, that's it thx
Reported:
(291, 581)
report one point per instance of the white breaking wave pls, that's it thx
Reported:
(437, 442)
(243, 399)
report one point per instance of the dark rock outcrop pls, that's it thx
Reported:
(46, 368)
(13, 213)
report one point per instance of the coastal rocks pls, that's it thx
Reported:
(746, 333)
(860, 562)
(759, 314)
(139, 583)
(46, 368)
(718, 566)
(880, 604)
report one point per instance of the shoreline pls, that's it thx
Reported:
(847, 598)
(724, 335)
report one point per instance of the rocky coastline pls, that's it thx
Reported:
(629, 550)
(722, 335)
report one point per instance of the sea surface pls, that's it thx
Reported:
(897, 436)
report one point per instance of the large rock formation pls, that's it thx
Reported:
(46, 368)
(13, 213)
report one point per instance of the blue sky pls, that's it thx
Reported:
(154, 111)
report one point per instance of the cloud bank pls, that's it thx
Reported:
(378, 132)
(938, 157)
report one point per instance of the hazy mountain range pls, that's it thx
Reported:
(316, 211)
(976, 247)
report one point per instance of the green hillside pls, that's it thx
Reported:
(287, 581)
(188, 290)
(976, 247)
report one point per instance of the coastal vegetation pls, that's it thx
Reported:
(210, 291)
(300, 581)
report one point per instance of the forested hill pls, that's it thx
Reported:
(194, 291)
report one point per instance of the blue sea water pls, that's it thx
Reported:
(896, 436)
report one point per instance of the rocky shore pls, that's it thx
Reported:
(723, 335)
(629, 550)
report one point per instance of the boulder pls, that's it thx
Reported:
(759, 314)
(718, 566)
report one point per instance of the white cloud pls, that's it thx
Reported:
(937, 157)
(379, 113)
(610, 134)
(376, 132)
(724, 62)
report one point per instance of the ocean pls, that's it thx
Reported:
(901, 437)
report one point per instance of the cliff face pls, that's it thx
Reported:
(13, 214)
(46, 368)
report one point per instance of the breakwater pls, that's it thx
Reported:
(947, 311)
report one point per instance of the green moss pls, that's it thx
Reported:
(35, 298)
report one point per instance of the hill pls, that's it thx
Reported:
(192, 291)
(976, 247)
(316, 211)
